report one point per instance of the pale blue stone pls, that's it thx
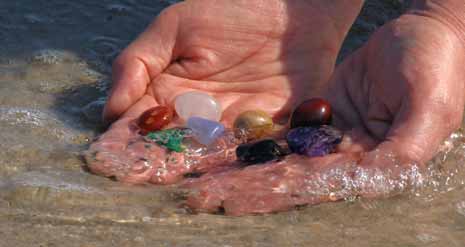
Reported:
(205, 131)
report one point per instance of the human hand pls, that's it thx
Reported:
(247, 54)
(403, 92)
(259, 54)
(397, 98)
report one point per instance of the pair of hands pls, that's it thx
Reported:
(401, 94)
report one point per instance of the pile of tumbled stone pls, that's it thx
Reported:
(310, 132)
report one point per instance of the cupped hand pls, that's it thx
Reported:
(404, 91)
(397, 98)
(248, 54)
(259, 54)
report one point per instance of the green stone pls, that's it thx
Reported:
(170, 138)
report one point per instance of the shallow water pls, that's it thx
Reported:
(55, 61)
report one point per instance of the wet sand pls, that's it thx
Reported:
(55, 59)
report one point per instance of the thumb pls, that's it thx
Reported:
(140, 63)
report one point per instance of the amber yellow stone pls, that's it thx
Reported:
(252, 125)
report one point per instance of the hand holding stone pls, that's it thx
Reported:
(402, 93)
(397, 98)
(247, 54)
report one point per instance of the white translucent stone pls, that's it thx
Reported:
(197, 104)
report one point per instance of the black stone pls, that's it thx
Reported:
(259, 152)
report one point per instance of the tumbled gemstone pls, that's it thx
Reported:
(205, 131)
(197, 104)
(155, 119)
(312, 112)
(259, 152)
(314, 141)
(170, 138)
(252, 125)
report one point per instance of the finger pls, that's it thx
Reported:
(426, 117)
(419, 128)
(345, 91)
(140, 63)
(429, 71)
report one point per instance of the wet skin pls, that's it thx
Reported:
(397, 97)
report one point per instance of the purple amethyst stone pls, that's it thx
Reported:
(314, 141)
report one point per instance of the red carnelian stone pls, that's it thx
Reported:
(312, 112)
(155, 119)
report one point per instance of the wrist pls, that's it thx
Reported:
(449, 12)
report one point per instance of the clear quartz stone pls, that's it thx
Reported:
(197, 104)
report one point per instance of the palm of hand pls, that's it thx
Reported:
(247, 57)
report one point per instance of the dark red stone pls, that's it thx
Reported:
(155, 119)
(313, 112)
